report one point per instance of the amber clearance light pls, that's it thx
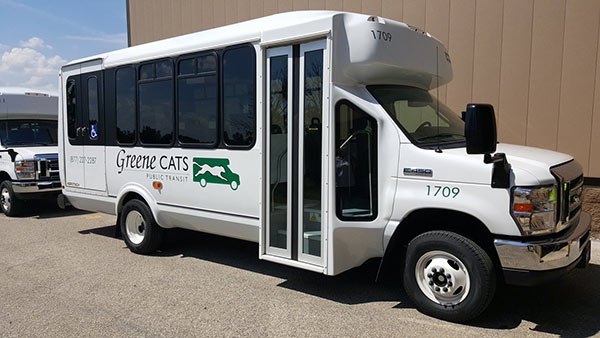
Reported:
(523, 207)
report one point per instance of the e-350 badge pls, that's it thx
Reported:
(214, 170)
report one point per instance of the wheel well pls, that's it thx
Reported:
(424, 220)
(128, 197)
(4, 176)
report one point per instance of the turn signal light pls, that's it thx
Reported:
(523, 207)
(157, 185)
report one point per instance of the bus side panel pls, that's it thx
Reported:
(212, 185)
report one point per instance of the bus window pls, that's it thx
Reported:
(186, 67)
(125, 105)
(197, 102)
(92, 84)
(147, 72)
(164, 69)
(71, 109)
(355, 163)
(239, 101)
(156, 105)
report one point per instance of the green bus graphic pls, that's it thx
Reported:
(214, 170)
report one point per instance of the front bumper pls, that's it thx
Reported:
(534, 262)
(34, 187)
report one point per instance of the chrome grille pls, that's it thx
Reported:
(575, 196)
(47, 167)
(570, 181)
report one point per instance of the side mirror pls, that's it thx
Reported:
(480, 129)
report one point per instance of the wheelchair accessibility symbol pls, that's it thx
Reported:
(94, 131)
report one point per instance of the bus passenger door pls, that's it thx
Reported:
(92, 130)
(74, 166)
(296, 152)
(84, 146)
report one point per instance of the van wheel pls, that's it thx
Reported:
(448, 276)
(139, 228)
(9, 203)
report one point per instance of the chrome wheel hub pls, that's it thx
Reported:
(442, 277)
(135, 227)
(5, 199)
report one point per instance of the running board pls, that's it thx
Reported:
(296, 264)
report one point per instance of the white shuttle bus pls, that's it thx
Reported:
(315, 134)
(28, 147)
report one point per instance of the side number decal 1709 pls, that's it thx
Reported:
(443, 191)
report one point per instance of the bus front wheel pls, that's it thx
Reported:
(448, 276)
(139, 228)
(9, 203)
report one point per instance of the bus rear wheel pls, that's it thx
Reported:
(139, 228)
(448, 276)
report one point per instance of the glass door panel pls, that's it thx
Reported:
(311, 141)
(279, 87)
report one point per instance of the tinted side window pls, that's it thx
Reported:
(197, 102)
(92, 86)
(155, 107)
(239, 96)
(125, 105)
(355, 163)
(71, 109)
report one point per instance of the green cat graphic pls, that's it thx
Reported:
(214, 170)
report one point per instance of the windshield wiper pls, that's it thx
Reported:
(438, 135)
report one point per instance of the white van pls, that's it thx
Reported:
(315, 135)
(28, 147)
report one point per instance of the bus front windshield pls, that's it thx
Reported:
(28, 133)
(425, 120)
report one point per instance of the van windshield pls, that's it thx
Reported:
(28, 133)
(424, 119)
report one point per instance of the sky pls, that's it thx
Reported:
(38, 37)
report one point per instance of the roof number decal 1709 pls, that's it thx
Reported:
(381, 35)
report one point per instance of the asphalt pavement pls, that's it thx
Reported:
(64, 274)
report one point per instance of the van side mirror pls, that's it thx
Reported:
(480, 129)
(481, 135)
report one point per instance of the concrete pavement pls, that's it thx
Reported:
(64, 274)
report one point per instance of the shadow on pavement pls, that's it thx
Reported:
(47, 209)
(568, 307)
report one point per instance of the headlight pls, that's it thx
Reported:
(25, 170)
(534, 209)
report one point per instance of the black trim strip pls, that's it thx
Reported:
(591, 181)
(295, 146)
(206, 210)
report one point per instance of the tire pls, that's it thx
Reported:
(10, 204)
(432, 257)
(139, 228)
